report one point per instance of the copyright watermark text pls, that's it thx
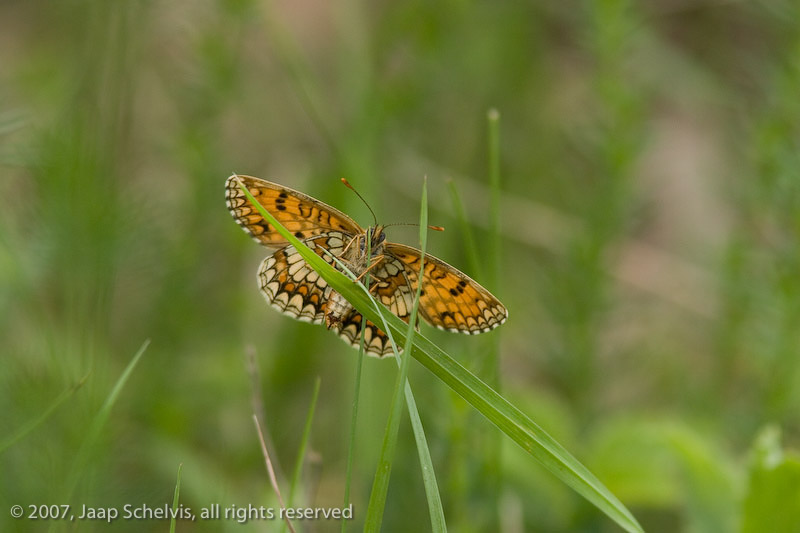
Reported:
(215, 511)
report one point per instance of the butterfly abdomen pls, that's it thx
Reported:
(338, 307)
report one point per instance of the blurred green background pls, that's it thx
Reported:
(650, 215)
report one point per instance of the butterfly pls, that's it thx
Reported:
(449, 299)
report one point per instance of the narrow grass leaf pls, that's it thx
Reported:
(426, 463)
(291, 59)
(470, 246)
(36, 422)
(435, 508)
(508, 418)
(493, 117)
(175, 499)
(301, 454)
(380, 486)
(83, 456)
(273, 479)
(351, 447)
(490, 364)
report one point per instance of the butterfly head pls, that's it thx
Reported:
(376, 238)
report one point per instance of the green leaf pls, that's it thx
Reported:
(772, 502)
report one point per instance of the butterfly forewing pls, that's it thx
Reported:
(299, 213)
(450, 299)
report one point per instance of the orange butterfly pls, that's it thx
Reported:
(450, 300)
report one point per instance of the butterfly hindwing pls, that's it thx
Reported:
(294, 288)
(376, 342)
(390, 285)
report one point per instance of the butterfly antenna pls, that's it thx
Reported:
(434, 228)
(347, 184)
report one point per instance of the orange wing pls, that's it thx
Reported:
(299, 213)
(450, 299)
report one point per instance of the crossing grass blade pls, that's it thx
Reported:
(508, 418)
(301, 453)
(84, 454)
(175, 499)
(351, 447)
(467, 236)
(380, 486)
(36, 422)
(435, 508)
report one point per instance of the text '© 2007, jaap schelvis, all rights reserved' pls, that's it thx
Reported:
(215, 511)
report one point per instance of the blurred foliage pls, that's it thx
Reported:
(650, 163)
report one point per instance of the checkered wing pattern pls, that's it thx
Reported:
(299, 213)
(294, 288)
(376, 342)
(390, 285)
(450, 300)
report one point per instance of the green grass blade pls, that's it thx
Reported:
(301, 454)
(83, 455)
(493, 116)
(487, 401)
(490, 364)
(288, 54)
(36, 422)
(526, 433)
(175, 500)
(380, 486)
(435, 508)
(470, 246)
(426, 463)
(351, 447)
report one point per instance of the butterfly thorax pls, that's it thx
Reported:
(358, 258)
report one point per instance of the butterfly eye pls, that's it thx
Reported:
(381, 238)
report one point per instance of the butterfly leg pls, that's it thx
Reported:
(377, 261)
(348, 245)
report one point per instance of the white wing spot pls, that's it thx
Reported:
(281, 298)
(294, 268)
(272, 288)
(295, 303)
